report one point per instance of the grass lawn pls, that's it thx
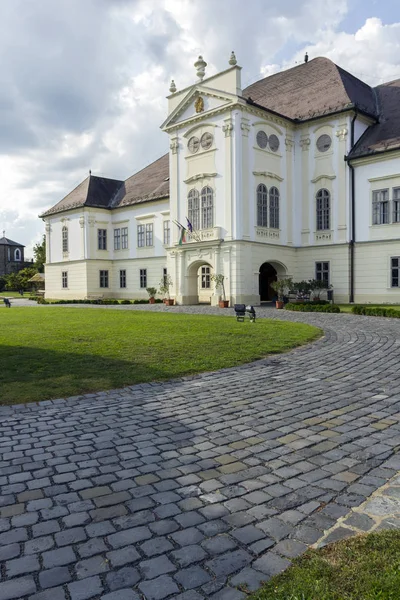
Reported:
(347, 309)
(54, 352)
(14, 295)
(362, 568)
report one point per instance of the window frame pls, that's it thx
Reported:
(64, 280)
(17, 258)
(124, 238)
(322, 271)
(262, 205)
(274, 201)
(64, 239)
(380, 207)
(207, 207)
(323, 210)
(143, 278)
(117, 239)
(141, 240)
(205, 277)
(164, 275)
(167, 232)
(397, 269)
(396, 205)
(103, 278)
(149, 234)
(102, 239)
(122, 278)
(194, 208)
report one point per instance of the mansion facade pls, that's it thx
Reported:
(298, 175)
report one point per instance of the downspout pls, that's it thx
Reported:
(352, 211)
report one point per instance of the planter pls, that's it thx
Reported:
(279, 304)
(152, 300)
(169, 301)
(223, 303)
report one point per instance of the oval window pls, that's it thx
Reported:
(324, 143)
(274, 142)
(206, 141)
(262, 139)
(193, 144)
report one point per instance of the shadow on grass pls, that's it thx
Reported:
(34, 374)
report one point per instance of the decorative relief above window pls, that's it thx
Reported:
(206, 141)
(324, 142)
(194, 144)
(262, 139)
(274, 143)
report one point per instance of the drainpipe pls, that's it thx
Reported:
(352, 211)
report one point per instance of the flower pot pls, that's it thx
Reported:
(279, 304)
(152, 300)
(169, 301)
(223, 303)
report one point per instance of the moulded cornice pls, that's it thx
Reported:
(319, 177)
(199, 176)
(384, 177)
(193, 129)
(267, 122)
(267, 174)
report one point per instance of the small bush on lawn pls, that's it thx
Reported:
(311, 307)
(125, 302)
(376, 311)
(140, 302)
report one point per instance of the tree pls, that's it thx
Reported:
(39, 252)
(19, 281)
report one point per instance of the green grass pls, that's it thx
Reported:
(55, 352)
(362, 568)
(14, 294)
(347, 309)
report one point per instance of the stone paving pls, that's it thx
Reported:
(201, 487)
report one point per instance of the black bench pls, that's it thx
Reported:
(241, 310)
(7, 302)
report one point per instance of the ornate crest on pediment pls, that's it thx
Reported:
(199, 104)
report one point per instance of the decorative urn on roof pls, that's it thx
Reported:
(200, 66)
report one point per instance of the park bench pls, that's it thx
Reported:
(7, 302)
(241, 310)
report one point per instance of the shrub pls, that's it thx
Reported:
(41, 300)
(159, 301)
(140, 302)
(125, 302)
(108, 301)
(376, 311)
(312, 307)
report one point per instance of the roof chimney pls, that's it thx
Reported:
(306, 57)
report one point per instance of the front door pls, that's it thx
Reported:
(266, 277)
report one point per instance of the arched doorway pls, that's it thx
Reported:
(269, 272)
(267, 275)
(199, 285)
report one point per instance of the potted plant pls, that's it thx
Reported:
(152, 291)
(303, 290)
(218, 279)
(318, 286)
(281, 286)
(165, 284)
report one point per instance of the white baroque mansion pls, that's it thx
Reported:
(297, 175)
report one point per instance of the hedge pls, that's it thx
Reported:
(311, 307)
(376, 311)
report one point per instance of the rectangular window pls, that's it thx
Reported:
(164, 275)
(104, 279)
(143, 278)
(380, 207)
(149, 234)
(140, 236)
(205, 278)
(122, 279)
(322, 272)
(396, 205)
(124, 238)
(395, 271)
(102, 239)
(64, 276)
(117, 239)
(167, 233)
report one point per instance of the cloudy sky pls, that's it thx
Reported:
(83, 82)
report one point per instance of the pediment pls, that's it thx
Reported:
(191, 109)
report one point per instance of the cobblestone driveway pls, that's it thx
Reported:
(191, 488)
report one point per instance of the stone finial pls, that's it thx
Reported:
(200, 66)
(232, 60)
(172, 87)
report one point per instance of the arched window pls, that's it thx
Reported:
(207, 220)
(65, 239)
(323, 210)
(17, 254)
(194, 209)
(274, 208)
(262, 206)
